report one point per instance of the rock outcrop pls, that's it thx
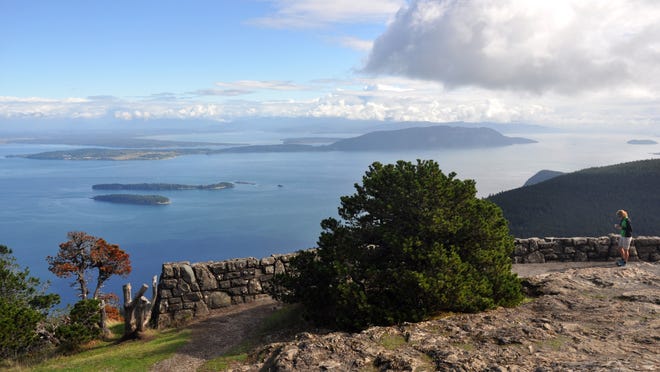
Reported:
(588, 319)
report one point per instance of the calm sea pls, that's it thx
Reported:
(278, 211)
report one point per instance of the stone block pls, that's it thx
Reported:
(218, 299)
(187, 274)
(201, 310)
(164, 293)
(168, 283)
(535, 257)
(232, 275)
(167, 271)
(192, 296)
(579, 241)
(254, 287)
(225, 284)
(218, 268)
(581, 257)
(270, 269)
(520, 250)
(248, 273)
(267, 261)
(175, 300)
(189, 305)
(251, 262)
(205, 278)
(239, 282)
(238, 291)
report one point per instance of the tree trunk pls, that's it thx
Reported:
(137, 311)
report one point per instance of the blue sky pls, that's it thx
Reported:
(567, 63)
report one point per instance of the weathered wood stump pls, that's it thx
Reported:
(137, 311)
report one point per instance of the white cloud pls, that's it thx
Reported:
(249, 85)
(315, 13)
(535, 46)
(356, 43)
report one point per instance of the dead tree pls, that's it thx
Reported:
(137, 311)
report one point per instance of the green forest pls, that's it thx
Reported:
(584, 203)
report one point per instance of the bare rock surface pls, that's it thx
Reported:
(582, 317)
(597, 317)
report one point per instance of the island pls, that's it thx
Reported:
(161, 186)
(133, 199)
(112, 154)
(409, 139)
(642, 142)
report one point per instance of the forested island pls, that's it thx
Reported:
(161, 186)
(133, 199)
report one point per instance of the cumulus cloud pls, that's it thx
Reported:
(534, 46)
(314, 13)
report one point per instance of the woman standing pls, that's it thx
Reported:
(626, 236)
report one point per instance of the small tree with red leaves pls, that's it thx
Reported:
(83, 253)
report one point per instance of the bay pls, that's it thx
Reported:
(277, 211)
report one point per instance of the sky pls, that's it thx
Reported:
(574, 64)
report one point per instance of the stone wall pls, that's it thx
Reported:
(187, 291)
(540, 250)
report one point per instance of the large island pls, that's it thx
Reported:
(133, 199)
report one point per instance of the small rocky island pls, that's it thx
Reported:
(133, 199)
(161, 186)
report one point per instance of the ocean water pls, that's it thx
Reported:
(279, 211)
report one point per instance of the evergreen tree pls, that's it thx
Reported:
(412, 242)
(23, 305)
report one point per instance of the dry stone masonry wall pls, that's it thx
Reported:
(187, 291)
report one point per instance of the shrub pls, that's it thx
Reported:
(83, 325)
(23, 306)
(412, 242)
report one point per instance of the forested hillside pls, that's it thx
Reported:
(584, 203)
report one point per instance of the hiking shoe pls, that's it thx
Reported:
(619, 262)
(623, 263)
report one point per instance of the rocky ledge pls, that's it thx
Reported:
(586, 319)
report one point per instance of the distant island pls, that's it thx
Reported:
(133, 199)
(417, 138)
(161, 186)
(642, 142)
(111, 154)
(408, 139)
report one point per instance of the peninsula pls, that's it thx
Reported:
(133, 199)
(161, 186)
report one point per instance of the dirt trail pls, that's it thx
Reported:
(223, 330)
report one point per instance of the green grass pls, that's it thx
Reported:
(392, 342)
(136, 355)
